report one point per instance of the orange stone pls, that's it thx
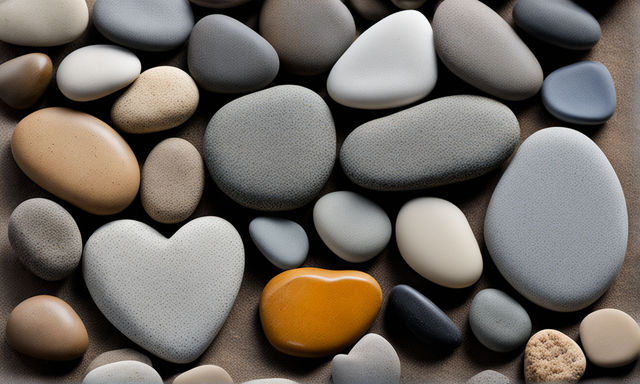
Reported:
(313, 312)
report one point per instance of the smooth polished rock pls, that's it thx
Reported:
(204, 374)
(489, 377)
(283, 242)
(129, 372)
(371, 361)
(610, 338)
(24, 79)
(553, 357)
(116, 355)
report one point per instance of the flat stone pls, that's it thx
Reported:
(371, 360)
(391, 64)
(283, 242)
(408, 4)
(610, 338)
(45, 238)
(313, 312)
(423, 318)
(172, 181)
(309, 36)
(580, 93)
(226, 56)
(42, 23)
(200, 268)
(24, 79)
(273, 149)
(130, 372)
(558, 22)
(117, 355)
(161, 98)
(551, 356)
(352, 226)
(435, 239)
(219, 3)
(489, 377)
(487, 53)
(544, 224)
(372, 10)
(148, 25)
(498, 321)
(46, 327)
(441, 141)
(204, 374)
(78, 158)
(95, 71)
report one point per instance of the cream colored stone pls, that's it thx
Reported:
(610, 338)
(204, 374)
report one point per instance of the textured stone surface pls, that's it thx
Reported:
(551, 356)
(610, 338)
(489, 377)
(116, 355)
(371, 361)
(204, 374)
(24, 79)
(283, 242)
(130, 372)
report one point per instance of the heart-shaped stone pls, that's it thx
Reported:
(170, 296)
(371, 361)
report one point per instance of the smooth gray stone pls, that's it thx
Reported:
(226, 56)
(498, 321)
(439, 142)
(371, 361)
(129, 372)
(148, 25)
(558, 22)
(283, 242)
(556, 226)
(580, 93)
(478, 46)
(45, 238)
(117, 355)
(272, 150)
(489, 377)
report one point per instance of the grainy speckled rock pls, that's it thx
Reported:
(371, 361)
(610, 338)
(489, 377)
(117, 355)
(283, 242)
(204, 374)
(551, 356)
(24, 79)
(130, 372)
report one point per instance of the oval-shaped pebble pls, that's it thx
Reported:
(313, 312)
(46, 238)
(560, 250)
(559, 22)
(435, 239)
(466, 136)
(498, 321)
(161, 98)
(309, 36)
(610, 338)
(371, 360)
(78, 158)
(393, 63)
(219, 3)
(273, 149)
(172, 181)
(95, 71)
(226, 56)
(204, 374)
(352, 226)
(552, 357)
(489, 377)
(116, 355)
(132, 372)
(148, 25)
(42, 23)
(580, 93)
(283, 242)
(24, 79)
(46, 327)
(486, 53)
(423, 318)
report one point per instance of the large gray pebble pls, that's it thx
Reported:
(371, 361)
(226, 56)
(273, 149)
(556, 226)
(129, 372)
(45, 238)
(283, 242)
(442, 141)
(489, 377)
(117, 355)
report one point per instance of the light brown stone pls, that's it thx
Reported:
(551, 356)
(24, 79)
(204, 374)
(610, 338)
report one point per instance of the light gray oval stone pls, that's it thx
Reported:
(371, 361)
(272, 150)
(498, 321)
(117, 355)
(559, 22)
(479, 47)
(283, 242)
(556, 226)
(148, 25)
(226, 56)
(438, 142)
(352, 226)
(489, 377)
(130, 372)
(45, 238)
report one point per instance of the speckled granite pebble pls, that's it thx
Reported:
(610, 338)
(551, 356)
(204, 374)
(489, 377)
(129, 372)
(24, 79)
(117, 355)
(371, 361)
(283, 242)
(273, 149)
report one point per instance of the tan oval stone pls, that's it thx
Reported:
(46, 327)
(78, 158)
(610, 338)
(117, 355)
(161, 98)
(204, 374)
(24, 79)
(172, 181)
(552, 356)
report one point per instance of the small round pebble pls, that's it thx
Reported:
(283, 242)
(117, 355)
(551, 356)
(498, 321)
(204, 374)
(172, 181)
(352, 226)
(129, 372)
(489, 377)
(371, 361)
(24, 79)
(610, 338)
(46, 238)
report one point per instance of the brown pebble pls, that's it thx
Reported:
(24, 79)
(204, 374)
(551, 356)
(117, 355)
(46, 327)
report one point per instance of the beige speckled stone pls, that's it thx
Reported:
(161, 98)
(551, 356)
(610, 338)
(117, 355)
(204, 374)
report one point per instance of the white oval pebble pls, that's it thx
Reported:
(128, 371)
(610, 338)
